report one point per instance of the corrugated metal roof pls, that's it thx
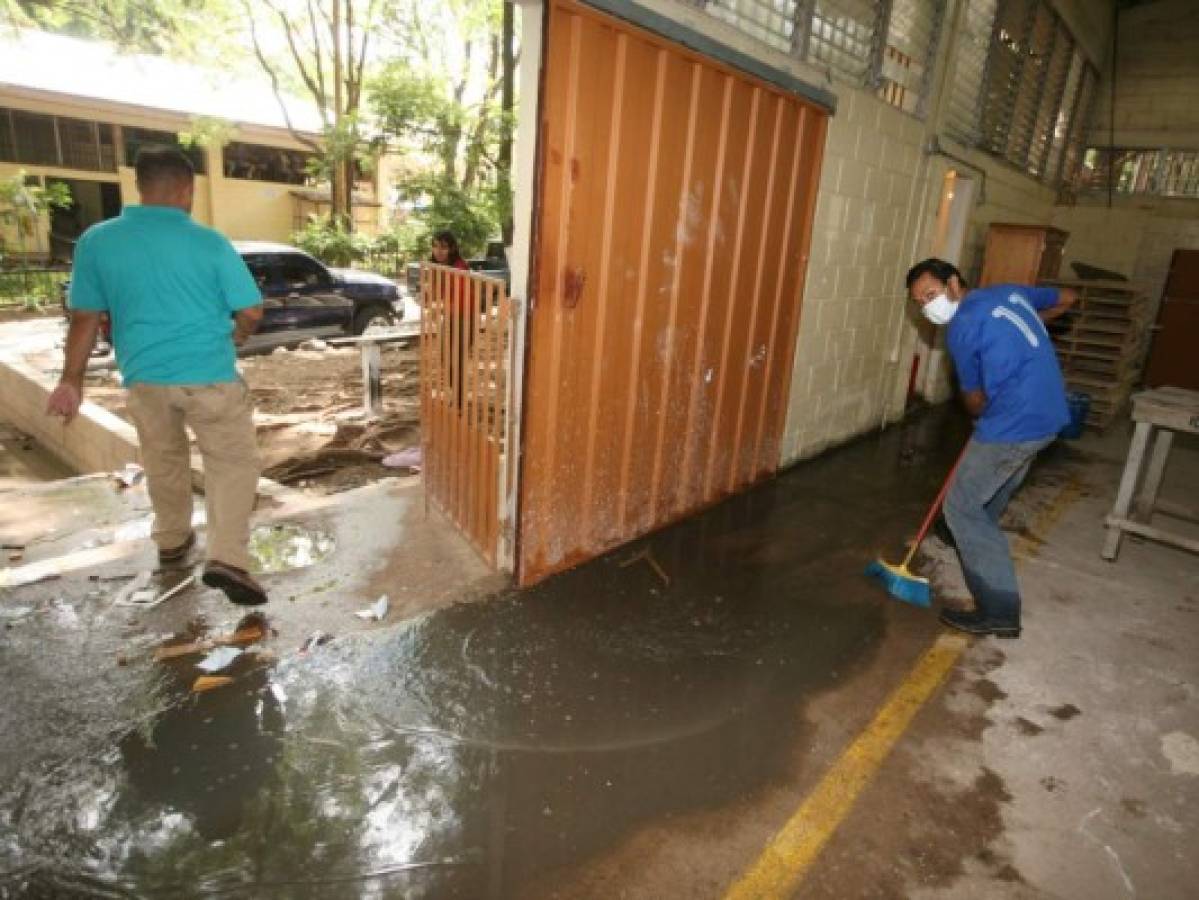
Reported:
(36, 60)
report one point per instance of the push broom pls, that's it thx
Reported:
(899, 580)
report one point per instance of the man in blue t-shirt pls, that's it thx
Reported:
(1012, 384)
(179, 298)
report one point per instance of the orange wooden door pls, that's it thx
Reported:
(675, 214)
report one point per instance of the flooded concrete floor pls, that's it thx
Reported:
(636, 727)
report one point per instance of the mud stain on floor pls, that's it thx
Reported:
(1065, 712)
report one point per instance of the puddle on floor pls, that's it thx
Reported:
(285, 548)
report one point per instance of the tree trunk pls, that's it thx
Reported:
(339, 197)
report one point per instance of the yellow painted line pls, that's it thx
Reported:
(786, 860)
(779, 870)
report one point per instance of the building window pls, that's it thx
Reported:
(136, 138)
(912, 32)
(1020, 88)
(888, 46)
(256, 162)
(42, 140)
(1163, 173)
(36, 142)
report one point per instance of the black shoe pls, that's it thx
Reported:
(238, 584)
(177, 554)
(973, 622)
(943, 534)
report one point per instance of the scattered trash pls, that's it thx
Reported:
(138, 585)
(314, 344)
(218, 659)
(316, 639)
(129, 476)
(243, 636)
(408, 458)
(138, 593)
(647, 554)
(279, 693)
(376, 612)
(210, 683)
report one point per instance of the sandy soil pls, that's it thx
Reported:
(308, 410)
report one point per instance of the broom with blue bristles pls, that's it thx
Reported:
(899, 580)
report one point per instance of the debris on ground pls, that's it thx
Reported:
(220, 658)
(316, 639)
(139, 595)
(136, 592)
(647, 555)
(304, 399)
(376, 612)
(129, 476)
(408, 458)
(246, 634)
(210, 683)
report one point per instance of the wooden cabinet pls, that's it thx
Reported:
(1022, 254)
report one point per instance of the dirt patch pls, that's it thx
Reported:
(1027, 727)
(1065, 712)
(911, 831)
(1138, 809)
(312, 432)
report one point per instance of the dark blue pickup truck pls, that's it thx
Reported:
(300, 293)
(302, 298)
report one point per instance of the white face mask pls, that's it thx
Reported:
(940, 309)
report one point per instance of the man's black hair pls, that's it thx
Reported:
(938, 268)
(157, 163)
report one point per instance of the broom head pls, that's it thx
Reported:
(901, 583)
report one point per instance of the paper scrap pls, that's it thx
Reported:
(376, 612)
(218, 659)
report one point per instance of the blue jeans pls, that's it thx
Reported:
(987, 478)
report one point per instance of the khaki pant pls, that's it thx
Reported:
(220, 417)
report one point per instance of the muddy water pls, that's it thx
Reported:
(466, 752)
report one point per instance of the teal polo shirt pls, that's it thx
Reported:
(170, 287)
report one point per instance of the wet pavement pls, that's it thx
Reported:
(470, 750)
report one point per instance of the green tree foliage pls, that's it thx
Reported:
(22, 206)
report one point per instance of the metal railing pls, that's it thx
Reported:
(1133, 170)
(466, 367)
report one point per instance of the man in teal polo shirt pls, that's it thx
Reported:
(179, 298)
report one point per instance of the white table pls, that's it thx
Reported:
(1163, 411)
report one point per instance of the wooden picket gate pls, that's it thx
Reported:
(466, 366)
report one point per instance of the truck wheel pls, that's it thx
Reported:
(373, 317)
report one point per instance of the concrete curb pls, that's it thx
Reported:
(96, 441)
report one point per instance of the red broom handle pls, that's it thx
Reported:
(935, 508)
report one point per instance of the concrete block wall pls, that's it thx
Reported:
(1156, 78)
(867, 212)
(1136, 237)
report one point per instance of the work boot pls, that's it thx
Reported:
(172, 555)
(974, 622)
(238, 584)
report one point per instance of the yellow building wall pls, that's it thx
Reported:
(246, 210)
(252, 210)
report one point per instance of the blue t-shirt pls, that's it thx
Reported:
(170, 287)
(1000, 346)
